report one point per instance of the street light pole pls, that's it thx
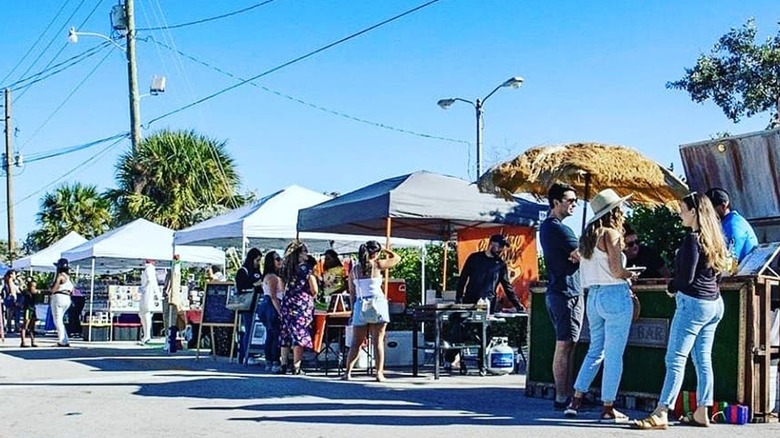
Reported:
(132, 76)
(512, 82)
(480, 125)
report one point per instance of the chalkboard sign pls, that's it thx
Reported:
(214, 310)
(759, 259)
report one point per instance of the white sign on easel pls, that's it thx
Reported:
(759, 260)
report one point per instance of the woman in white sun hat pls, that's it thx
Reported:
(608, 305)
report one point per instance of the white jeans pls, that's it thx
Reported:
(59, 305)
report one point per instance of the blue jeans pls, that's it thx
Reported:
(609, 310)
(270, 319)
(692, 332)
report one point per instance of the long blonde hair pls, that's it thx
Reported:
(590, 238)
(711, 239)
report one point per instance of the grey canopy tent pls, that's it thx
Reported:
(420, 205)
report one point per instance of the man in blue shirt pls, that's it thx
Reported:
(564, 303)
(739, 235)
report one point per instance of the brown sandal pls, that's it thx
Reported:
(689, 420)
(652, 422)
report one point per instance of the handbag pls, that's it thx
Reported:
(637, 307)
(240, 302)
(368, 311)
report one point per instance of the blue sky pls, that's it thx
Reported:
(594, 71)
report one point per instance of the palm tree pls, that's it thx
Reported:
(75, 207)
(173, 178)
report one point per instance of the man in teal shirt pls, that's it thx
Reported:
(740, 237)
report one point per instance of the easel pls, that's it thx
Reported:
(215, 314)
(213, 345)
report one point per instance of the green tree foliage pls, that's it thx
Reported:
(70, 207)
(741, 76)
(411, 262)
(660, 228)
(175, 178)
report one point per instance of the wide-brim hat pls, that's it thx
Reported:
(604, 202)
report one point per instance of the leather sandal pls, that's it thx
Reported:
(652, 422)
(689, 420)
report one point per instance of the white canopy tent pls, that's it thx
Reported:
(271, 223)
(128, 246)
(44, 260)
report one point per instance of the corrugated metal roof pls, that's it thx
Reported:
(747, 166)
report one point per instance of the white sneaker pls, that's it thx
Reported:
(143, 342)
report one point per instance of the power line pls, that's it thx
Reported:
(56, 68)
(64, 101)
(70, 149)
(289, 63)
(64, 45)
(303, 102)
(86, 163)
(37, 40)
(53, 39)
(206, 20)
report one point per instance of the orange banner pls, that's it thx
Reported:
(520, 257)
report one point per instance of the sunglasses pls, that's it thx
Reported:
(569, 200)
(632, 243)
(278, 259)
(694, 201)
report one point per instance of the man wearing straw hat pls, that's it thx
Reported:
(564, 304)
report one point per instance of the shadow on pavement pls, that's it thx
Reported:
(308, 399)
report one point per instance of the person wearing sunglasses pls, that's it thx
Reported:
(270, 309)
(565, 305)
(701, 259)
(645, 256)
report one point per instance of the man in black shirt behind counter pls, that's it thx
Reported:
(481, 274)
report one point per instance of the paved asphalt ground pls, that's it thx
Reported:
(122, 390)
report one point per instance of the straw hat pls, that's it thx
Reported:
(604, 202)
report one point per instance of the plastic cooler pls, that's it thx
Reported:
(396, 295)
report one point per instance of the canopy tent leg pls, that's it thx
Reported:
(446, 244)
(387, 245)
(585, 198)
(422, 274)
(91, 299)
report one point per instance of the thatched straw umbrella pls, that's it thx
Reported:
(589, 168)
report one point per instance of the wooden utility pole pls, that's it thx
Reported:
(132, 76)
(9, 180)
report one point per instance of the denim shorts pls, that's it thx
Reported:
(566, 315)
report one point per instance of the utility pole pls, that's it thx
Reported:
(132, 76)
(9, 181)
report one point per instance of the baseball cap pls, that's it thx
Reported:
(62, 263)
(499, 239)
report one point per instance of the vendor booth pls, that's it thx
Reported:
(124, 249)
(425, 205)
(45, 259)
(270, 223)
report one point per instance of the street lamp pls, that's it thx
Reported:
(123, 23)
(512, 82)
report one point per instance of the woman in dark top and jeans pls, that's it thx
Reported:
(249, 280)
(700, 260)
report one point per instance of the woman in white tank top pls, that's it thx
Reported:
(609, 307)
(61, 289)
(370, 312)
